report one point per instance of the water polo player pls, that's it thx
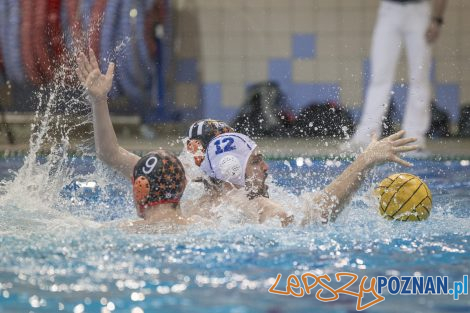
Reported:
(233, 159)
(201, 133)
(232, 162)
(158, 181)
(158, 178)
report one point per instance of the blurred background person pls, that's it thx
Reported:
(417, 24)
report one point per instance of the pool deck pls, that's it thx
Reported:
(294, 147)
(170, 136)
(274, 147)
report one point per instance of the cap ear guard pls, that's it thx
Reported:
(230, 168)
(141, 189)
(194, 146)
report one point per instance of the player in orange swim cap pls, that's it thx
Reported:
(158, 178)
(158, 181)
(201, 133)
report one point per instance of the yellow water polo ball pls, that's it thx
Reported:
(404, 197)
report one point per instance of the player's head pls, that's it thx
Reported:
(158, 178)
(234, 158)
(201, 133)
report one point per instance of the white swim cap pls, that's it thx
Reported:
(227, 156)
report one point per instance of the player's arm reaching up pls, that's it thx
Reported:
(98, 85)
(333, 197)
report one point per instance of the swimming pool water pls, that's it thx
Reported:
(61, 248)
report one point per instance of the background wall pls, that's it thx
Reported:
(316, 49)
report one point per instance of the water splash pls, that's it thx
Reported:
(33, 196)
(34, 191)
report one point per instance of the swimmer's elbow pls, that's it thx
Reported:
(283, 217)
(104, 153)
(286, 219)
(315, 216)
(101, 156)
(271, 210)
(114, 160)
(109, 155)
(106, 158)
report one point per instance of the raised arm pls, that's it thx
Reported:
(332, 199)
(98, 85)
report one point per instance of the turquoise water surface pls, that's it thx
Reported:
(62, 248)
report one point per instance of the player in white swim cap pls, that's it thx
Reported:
(234, 158)
(233, 162)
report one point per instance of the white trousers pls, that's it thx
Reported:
(397, 24)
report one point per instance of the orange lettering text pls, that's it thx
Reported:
(272, 289)
(363, 290)
(296, 284)
(349, 283)
(308, 287)
(335, 295)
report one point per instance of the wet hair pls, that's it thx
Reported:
(158, 178)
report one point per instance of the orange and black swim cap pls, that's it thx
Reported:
(158, 178)
(201, 133)
(206, 130)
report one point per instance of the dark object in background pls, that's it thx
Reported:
(6, 126)
(324, 120)
(440, 122)
(439, 127)
(264, 112)
(391, 120)
(464, 121)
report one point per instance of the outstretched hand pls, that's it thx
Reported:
(96, 83)
(388, 149)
